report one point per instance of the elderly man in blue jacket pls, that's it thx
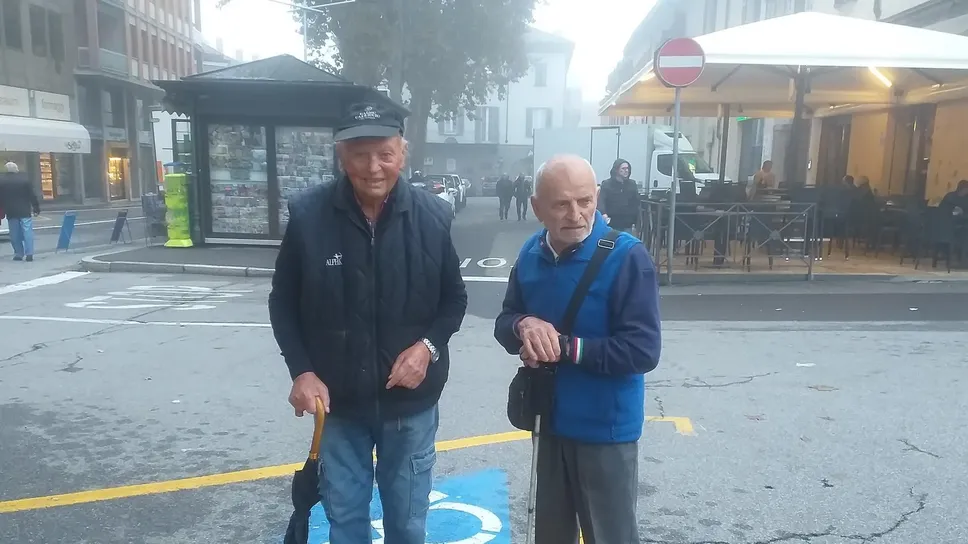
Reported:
(588, 463)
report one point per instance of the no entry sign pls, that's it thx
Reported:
(679, 62)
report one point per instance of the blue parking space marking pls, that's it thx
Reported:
(466, 509)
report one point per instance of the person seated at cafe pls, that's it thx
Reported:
(766, 177)
(955, 202)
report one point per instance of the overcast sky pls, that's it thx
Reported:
(599, 29)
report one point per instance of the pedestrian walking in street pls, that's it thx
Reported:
(619, 197)
(587, 464)
(18, 200)
(366, 295)
(522, 196)
(505, 192)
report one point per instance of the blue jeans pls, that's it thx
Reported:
(21, 236)
(404, 474)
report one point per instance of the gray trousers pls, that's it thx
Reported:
(594, 485)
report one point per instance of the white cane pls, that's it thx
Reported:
(532, 492)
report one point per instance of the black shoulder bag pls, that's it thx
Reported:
(532, 391)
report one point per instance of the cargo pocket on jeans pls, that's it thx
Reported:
(421, 480)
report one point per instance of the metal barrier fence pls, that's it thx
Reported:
(750, 237)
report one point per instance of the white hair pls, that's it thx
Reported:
(12, 167)
(553, 161)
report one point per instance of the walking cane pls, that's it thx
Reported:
(534, 477)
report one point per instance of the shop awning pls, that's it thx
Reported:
(850, 61)
(42, 135)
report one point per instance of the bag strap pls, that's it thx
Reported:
(605, 246)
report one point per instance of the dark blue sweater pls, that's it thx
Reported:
(600, 390)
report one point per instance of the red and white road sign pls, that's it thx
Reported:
(679, 62)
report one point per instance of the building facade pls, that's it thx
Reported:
(499, 137)
(750, 140)
(38, 112)
(90, 63)
(122, 45)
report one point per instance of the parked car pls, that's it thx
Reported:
(461, 191)
(489, 186)
(444, 188)
(4, 228)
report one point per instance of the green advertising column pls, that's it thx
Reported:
(176, 200)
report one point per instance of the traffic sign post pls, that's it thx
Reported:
(678, 63)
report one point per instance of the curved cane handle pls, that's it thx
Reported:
(320, 419)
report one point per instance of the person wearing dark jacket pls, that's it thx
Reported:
(522, 195)
(588, 462)
(619, 197)
(505, 192)
(18, 200)
(366, 295)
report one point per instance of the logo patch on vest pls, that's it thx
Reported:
(335, 260)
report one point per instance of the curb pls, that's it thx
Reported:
(93, 264)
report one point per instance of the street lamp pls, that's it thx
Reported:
(304, 8)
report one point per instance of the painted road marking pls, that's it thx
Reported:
(175, 297)
(40, 282)
(467, 509)
(683, 426)
(492, 262)
(131, 322)
(486, 279)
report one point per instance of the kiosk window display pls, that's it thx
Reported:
(239, 180)
(304, 159)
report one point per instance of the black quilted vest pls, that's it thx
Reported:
(370, 294)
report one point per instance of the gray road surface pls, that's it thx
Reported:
(804, 429)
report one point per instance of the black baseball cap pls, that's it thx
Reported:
(369, 120)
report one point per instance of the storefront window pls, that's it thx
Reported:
(47, 177)
(304, 159)
(118, 173)
(65, 175)
(240, 184)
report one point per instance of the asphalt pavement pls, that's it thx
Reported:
(152, 408)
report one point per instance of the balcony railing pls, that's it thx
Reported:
(108, 61)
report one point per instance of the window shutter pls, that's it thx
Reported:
(459, 121)
(529, 124)
(493, 124)
(480, 130)
(440, 128)
(548, 117)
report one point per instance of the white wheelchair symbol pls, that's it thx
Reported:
(490, 523)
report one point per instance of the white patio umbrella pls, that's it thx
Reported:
(807, 64)
(837, 60)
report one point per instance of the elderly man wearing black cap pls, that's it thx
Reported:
(366, 295)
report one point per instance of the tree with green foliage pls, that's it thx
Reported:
(449, 54)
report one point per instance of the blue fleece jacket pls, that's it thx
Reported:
(600, 388)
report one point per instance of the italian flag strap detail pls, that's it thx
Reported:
(576, 345)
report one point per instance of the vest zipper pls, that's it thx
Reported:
(375, 352)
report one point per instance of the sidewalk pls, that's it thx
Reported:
(210, 260)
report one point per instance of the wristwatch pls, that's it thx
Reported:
(434, 354)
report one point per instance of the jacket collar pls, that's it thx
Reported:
(398, 201)
(581, 251)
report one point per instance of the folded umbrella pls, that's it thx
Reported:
(305, 486)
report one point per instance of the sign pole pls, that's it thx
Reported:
(678, 63)
(671, 243)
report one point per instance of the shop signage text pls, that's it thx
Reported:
(14, 101)
(52, 106)
(113, 134)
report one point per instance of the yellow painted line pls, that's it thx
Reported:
(239, 476)
(683, 424)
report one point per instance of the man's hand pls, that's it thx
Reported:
(305, 388)
(410, 368)
(528, 361)
(539, 339)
